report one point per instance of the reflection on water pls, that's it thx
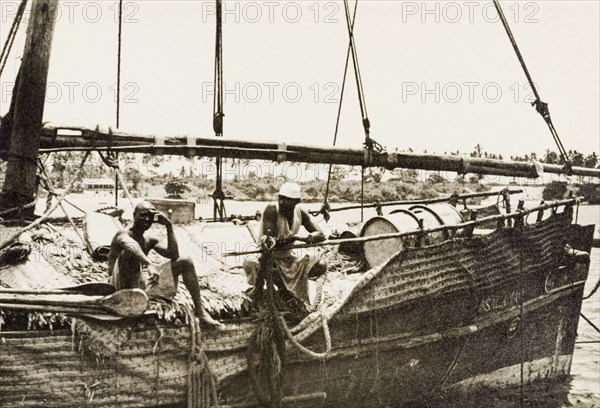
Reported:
(532, 396)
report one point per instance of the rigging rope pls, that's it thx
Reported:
(112, 160)
(11, 35)
(218, 195)
(540, 106)
(370, 144)
(118, 97)
(119, 61)
(357, 76)
(50, 188)
(519, 224)
(339, 113)
(590, 322)
(48, 212)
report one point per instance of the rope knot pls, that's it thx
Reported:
(378, 208)
(218, 123)
(218, 194)
(367, 126)
(568, 168)
(110, 158)
(325, 211)
(541, 108)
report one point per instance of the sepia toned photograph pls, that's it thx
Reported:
(299, 204)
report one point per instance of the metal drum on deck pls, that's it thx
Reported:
(435, 215)
(447, 212)
(376, 252)
(352, 248)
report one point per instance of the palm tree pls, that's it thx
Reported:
(591, 161)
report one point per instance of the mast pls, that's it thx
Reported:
(29, 94)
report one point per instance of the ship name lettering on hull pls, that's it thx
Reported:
(502, 300)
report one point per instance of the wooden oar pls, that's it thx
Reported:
(126, 302)
(90, 289)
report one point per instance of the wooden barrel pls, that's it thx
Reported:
(376, 252)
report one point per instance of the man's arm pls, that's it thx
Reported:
(168, 249)
(268, 227)
(315, 232)
(269, 221)
(130, 245)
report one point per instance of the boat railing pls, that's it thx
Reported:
(468, 226)
(453, 199)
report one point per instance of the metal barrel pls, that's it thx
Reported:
(407, 219)
(376, 252)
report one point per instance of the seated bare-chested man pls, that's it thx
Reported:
(129, 254)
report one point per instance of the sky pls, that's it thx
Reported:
(439, 76)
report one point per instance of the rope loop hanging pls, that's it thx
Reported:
(540, 106)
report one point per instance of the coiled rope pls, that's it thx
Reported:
(201, 383)
(266, 353)
(305, 350)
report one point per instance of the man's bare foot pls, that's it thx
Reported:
(208, 320)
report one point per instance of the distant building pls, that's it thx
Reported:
(101, 184)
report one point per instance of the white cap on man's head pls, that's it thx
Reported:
(290, 190)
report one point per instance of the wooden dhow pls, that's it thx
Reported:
(492, 304)
(486, 309)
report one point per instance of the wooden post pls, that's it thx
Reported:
(20, 181)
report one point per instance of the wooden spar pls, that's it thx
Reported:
(81, 139)
(30, 93)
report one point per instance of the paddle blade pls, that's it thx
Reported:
(126, 302)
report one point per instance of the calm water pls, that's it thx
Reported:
(586, 361)
(584, 388)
